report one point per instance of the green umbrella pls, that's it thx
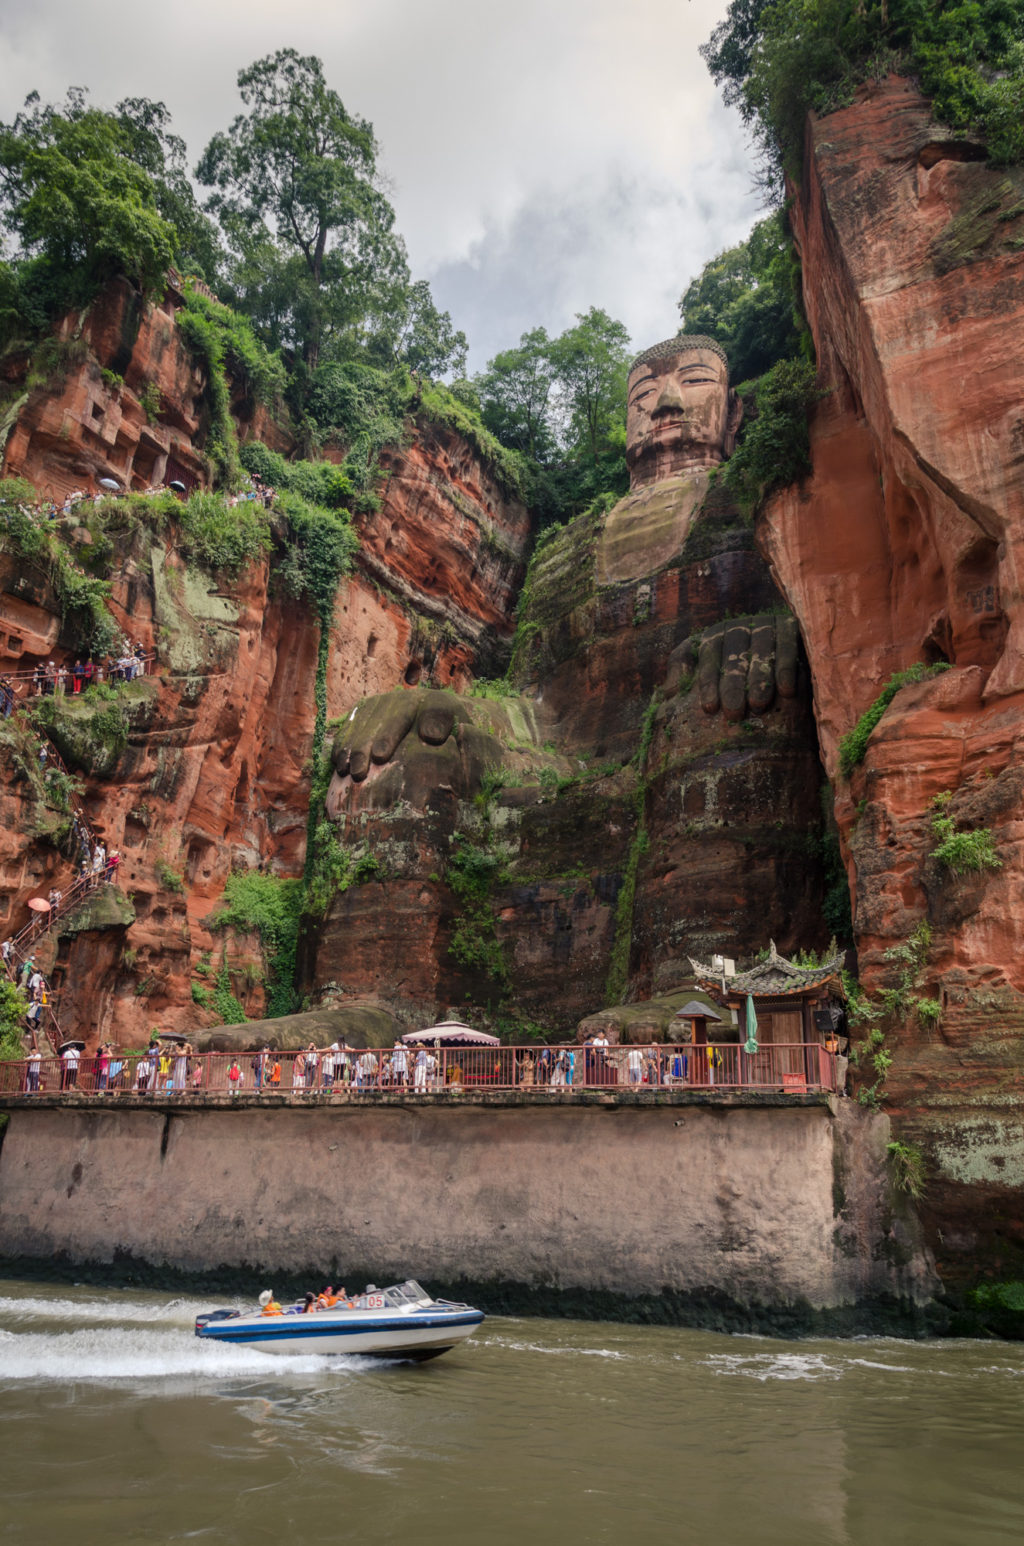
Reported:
(750, 1045)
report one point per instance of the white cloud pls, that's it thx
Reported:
(543, 157)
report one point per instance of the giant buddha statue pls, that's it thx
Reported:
(681, 421)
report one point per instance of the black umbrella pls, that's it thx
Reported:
(177, 485)
(66, 1045)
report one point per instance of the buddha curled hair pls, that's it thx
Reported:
(683, 343)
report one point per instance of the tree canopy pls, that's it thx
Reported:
(297, 196)
(314, 257)
(515, 391)
(776, 59)
(562, 402)
(79, 204)
(745, 298)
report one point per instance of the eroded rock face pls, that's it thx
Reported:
(89, 421)
(450, 541)
(209, 769)
(906, 545)
(505, 831)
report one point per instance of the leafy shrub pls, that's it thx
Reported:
(223, 1000)
(853, 747)
(319, 550)
(149, 401)
(220, 536)
(83, 597)
(961, 852)
(775, 447)
(241, 351)
(929, 1011)
(13, 1008)
(169, 878)
(223, 341)
(906, 1163)
(471, 874)
(319, 483)
(1000, 1296)
(271, 907)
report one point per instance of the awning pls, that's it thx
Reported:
(450, 1033)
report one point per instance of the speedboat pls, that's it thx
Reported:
(398, 1322)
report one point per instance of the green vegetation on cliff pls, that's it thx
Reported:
(779, 59)
(747, 298)
(82, 596)
(854, 745)
(13, 1008)
(561, 403)
(961, 852)
(774, 448)
(271, 907)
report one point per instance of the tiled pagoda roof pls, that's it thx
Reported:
(774, 978)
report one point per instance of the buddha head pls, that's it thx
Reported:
(680, 413)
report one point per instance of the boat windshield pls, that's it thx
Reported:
(409, 1292)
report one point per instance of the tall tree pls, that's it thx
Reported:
(745, 299)
(297, 195)
(78, 203)
(413, 332)
(161, 154)
(515, 392)
(590, 363)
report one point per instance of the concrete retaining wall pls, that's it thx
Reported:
(767, 1206)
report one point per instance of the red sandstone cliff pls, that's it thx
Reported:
(215, 772)
(907, 544)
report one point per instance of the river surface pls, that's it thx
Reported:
(118, 1426)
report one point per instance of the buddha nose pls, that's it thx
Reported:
(670, 400)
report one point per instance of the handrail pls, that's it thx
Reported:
(794, 1068)
(30, 676)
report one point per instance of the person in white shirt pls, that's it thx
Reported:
(32, 1071)
(69, 1073)
(366, 1070)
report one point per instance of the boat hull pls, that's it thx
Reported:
(375, 1336)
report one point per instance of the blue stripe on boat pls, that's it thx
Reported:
(285, 1325)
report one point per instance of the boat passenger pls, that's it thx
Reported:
(268, 1304)
(310, 1304)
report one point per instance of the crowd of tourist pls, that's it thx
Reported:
(76, 501)
(171, 1065)
(50, 679)
(30, 979)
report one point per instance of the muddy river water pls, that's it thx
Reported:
(116, 1425)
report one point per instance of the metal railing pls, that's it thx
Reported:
(32, 676)
(794, 1067)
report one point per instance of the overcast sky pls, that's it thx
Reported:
(544, 156)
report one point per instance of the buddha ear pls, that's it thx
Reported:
(734, 418)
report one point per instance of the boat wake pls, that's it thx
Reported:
(775, 1366)
(147, 1342)
(114, 1310)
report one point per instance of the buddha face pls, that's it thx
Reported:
(680, 414)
